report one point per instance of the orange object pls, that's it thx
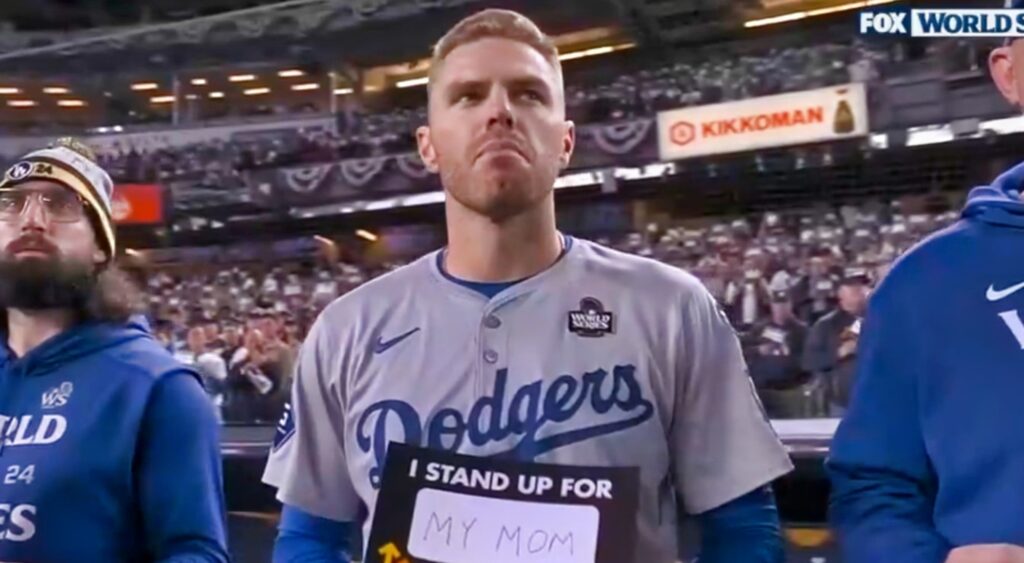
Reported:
(138, 204)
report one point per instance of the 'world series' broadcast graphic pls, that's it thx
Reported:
(959, 22)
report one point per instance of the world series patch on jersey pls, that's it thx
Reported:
(603, 360)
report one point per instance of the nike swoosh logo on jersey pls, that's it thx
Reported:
(997, 295)
(383, 346)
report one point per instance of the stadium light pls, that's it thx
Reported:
(793, 16)
(846, 7)
(191, 97)
(412, 82)
(242, 77)
(70, 103)
(586, 53)
(162, 99)
(256, 91)
(290, 73)
(56, 90)
(216, 94)
(364, 234)
(139, 86)
(306, 86)
(21, 103)
(199, 82)
(7, 90)
(594, 51)
(342, 91)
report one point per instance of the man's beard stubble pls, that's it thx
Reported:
(45, 283)
(519, 194)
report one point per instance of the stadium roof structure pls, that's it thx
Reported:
(90, 36)
(295, 53)
(314, 30)
(46, 15)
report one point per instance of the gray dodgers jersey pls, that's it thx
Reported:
(414, 356)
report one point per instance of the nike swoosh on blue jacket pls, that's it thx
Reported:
(930, 455)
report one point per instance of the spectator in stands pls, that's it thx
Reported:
(832, 342)
(815, 289)
(208, 361)
(746, 298)
(179, 327)
(775, 347)
(162, 330)
(247, 384)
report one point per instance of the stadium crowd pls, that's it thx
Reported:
(361, 134)
(778, 278)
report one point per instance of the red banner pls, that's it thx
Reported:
(138, 204)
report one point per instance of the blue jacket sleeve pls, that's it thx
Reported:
(179, 475)
(744, 530)
(883, 484)
(306, 538)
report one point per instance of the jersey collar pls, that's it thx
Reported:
(554, 271)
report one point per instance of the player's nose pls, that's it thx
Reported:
(499, 109)
(33, 216)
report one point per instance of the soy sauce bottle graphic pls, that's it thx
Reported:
(843, 122)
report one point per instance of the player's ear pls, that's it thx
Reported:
(568, 144)
(426, 148)
(1000, 63)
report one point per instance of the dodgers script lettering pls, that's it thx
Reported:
(616, 403)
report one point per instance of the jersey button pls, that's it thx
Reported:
(490, 356)
(492, 322)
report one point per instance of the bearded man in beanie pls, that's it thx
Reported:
(109, 448)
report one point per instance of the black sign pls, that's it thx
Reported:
(448, 508)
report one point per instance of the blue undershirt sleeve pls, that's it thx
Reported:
(306, 538)
(743, 530)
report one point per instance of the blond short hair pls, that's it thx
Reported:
(494, 23)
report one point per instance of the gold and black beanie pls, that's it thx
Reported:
(72, 164)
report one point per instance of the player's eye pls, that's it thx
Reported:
(11, 202)
(468, 97)
(532, 95)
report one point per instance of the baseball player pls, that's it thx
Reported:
(514, 314)
(109, 449)
(928, 464)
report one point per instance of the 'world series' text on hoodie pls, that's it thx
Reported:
(931, 453)
(109, 452)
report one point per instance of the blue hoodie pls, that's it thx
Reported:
(110, 453)
(930, 455)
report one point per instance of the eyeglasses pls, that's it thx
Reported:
(61, 205)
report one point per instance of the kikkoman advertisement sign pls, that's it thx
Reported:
(809, 116)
